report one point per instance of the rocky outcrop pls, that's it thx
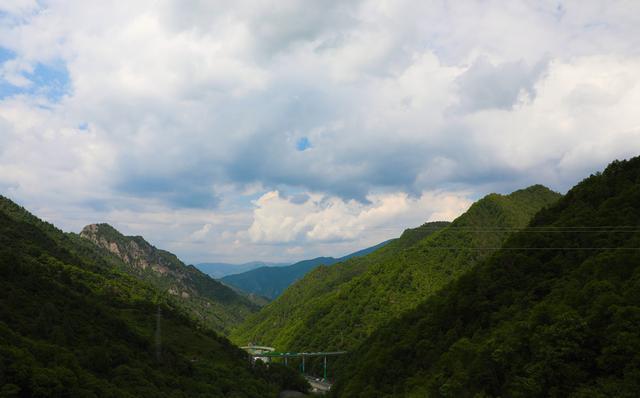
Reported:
(141, 255)
(165, 271)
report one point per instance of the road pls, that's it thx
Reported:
(318, 385)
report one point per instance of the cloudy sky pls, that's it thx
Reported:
(281, 130)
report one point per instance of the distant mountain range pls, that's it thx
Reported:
(270, 282)
(219, 270)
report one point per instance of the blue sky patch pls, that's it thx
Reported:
(303, 143)
(50, 80)
(6, 54)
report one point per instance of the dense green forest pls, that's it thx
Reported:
(337, 307)
(73, 324)
(293, 305)
(555, 313)
(270, 282)
(212, 303)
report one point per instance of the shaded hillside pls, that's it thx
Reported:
(336, 308)
(270, 282)
(73, 325)
(208, 300)
(260, 301)
(555, 313)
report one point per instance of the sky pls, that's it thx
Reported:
(284, 130)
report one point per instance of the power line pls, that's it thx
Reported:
(633, 229)
(534, 227)
(528, 248)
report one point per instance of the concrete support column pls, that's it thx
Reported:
(325, 367)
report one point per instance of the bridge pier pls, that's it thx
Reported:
(325, 367)
(269, 353)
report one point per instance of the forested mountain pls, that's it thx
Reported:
(219, 270)
(270, 282)
(555, 313)
(208, 300)
(336, 308)
(73, 324)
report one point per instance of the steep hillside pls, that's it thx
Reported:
(555, 313)
(213, 303)
(288, 313)
(336, 308)
(73, 325)
(270, 282)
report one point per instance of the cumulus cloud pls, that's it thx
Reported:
(17, 7)
(201, 233)
(277, 219)
(13, 73)
(171, 108)
(488, 86)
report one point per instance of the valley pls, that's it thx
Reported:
(337, 307)
(496, 302)
(271, 282)
(339, 199)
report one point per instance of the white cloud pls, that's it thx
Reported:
(487, 86)
(13, 72)
(582, 118)
(277, 219)
(201, 233)
(17, 7)
(181, 113)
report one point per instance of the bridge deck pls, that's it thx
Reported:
(298, 354)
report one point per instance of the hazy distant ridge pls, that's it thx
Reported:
(219, 270)
(270, 282)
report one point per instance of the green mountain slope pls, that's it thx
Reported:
(73, 325)
(277, 323)
(208, 300)
(270, 282)
(555, 313)
(336, 308)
